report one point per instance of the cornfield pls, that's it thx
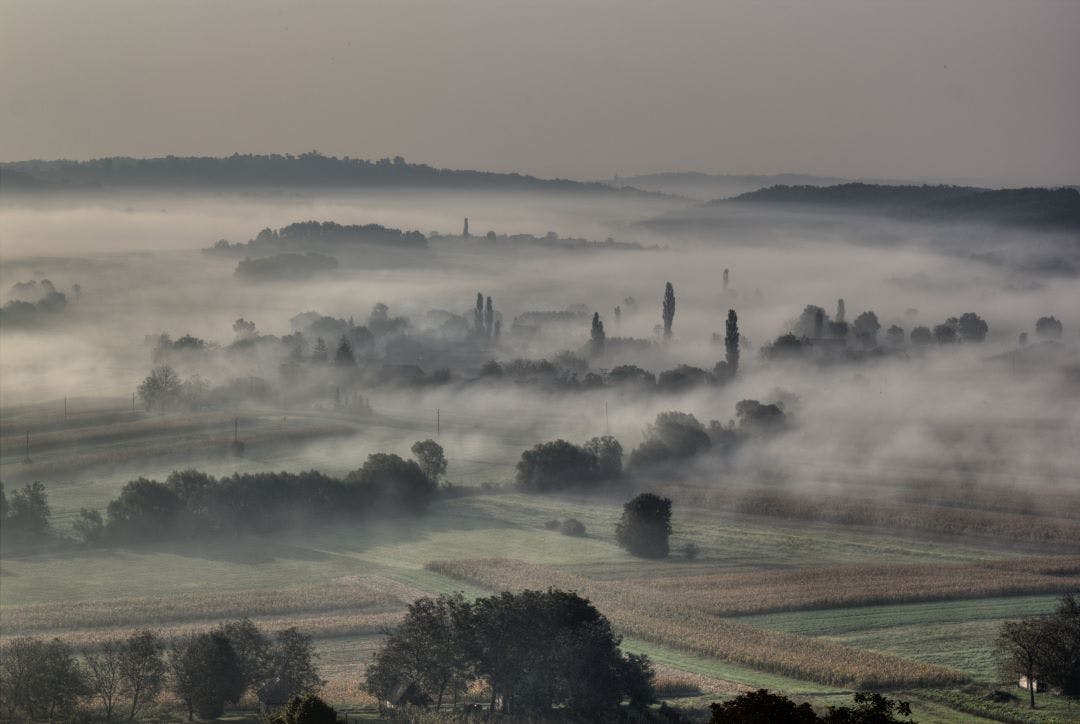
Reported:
(659, 617)
(966, 518)
(731, 594)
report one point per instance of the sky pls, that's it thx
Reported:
(968, 89)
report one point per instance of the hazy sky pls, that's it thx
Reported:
(981, 90)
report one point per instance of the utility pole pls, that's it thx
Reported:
(65, 408)
(236, 430)
(133, 402)
(27, 447)
(607, 420)
(438, 422)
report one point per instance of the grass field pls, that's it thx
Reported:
(812, 607)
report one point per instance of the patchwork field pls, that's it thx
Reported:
(804, 607)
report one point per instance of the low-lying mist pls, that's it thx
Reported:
(957, 413)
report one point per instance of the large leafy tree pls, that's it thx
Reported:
(536, 650)
(431, 457)
(430, 650)
(1021, 646)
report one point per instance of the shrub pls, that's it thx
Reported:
(572, 527)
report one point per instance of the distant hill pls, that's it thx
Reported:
(704, 186)
(725, 178)
(1042, 207)
(308, 170)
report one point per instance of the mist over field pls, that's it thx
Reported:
(503, 361)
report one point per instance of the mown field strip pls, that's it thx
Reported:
(362, 593)
(663, 619)
(328, 625)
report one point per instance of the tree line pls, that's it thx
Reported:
(191, 503)
(672, 439)
(122, 678)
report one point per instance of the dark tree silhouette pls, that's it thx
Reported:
(668, 309)
(206, 674)
(306, 709)
(39, 680)
(1020, 646)
(840, 311)
(895, 336)
(489, 319)
(161, 389)
(319, 355)
(971, 327)
(555, 465)
(431, 457)
(645, 526)
(731, 342)
(343, 357)
(921, 336)
(755, 707)
(945, 333)
(478, 315)
(866, 327)
(1048, 328)
(597, 335)
(1059, 664)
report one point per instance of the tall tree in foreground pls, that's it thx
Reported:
(669, 309)
(478, 315)
(645, 526)
(731, 342)
(840, 310)
(1021, 645)
(142, 669)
